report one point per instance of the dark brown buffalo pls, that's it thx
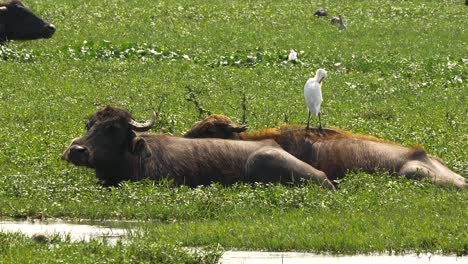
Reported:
(335, 152)
(117, 151)
(17, 22)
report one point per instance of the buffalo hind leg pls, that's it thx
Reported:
(276, 165)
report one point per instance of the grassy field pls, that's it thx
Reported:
(399, 72)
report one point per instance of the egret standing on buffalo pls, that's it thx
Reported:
(313, 95)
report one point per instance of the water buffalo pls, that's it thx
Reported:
(17, 22)
(116, 147)
(335, 151)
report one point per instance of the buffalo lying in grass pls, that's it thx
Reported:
(117, 151)
(335, 152)
(17, 22)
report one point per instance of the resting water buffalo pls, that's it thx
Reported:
(17, 22)
(117, 151)
(335, 152)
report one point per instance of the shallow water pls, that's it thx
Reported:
(113, 231)
(250, 257)
(76, 231)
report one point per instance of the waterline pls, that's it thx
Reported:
(253, 257)
(76, 231)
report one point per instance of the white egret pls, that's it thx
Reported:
(313, 95)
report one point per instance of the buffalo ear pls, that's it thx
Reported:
(140, 147)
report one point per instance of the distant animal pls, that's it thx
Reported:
(321, 12)
(335, 20)
(313, 95)
(342, 26)
(41, 237)
(114, 147)
(17, 22)
(335, 152)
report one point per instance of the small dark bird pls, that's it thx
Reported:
(41, 237)
(321, 12)
(342, 25)
(335, 20)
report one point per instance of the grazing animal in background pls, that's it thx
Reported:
(313, 95)
(335, 20)
(321, 12)
(342, 26)
(335, 152)
(116, 150)
(17, 22)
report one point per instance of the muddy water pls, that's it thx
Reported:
(76, 231)
(112, 231)
(249, 257)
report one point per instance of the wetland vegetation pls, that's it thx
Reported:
(399, 72)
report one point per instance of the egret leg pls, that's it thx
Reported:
(320, 122)
(308, 120)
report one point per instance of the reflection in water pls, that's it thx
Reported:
(76, 231)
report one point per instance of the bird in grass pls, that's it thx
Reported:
(342, 25)
(313, 95)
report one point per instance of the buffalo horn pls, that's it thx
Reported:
(3, 8)
(141, 127)
(238, 129)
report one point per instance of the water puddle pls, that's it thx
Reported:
(76, 231)
(249, 257)
(113, 231)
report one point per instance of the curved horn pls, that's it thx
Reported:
(141, 127)
(238, 129)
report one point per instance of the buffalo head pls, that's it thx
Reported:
(17, 22)
(216, 126)
(109, 139)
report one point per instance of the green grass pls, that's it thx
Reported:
(16, 248)
(403, 77)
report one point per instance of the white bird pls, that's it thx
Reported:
(313, 95)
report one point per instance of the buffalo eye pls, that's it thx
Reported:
(210, 130)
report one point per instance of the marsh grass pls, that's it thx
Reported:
(398, 72)
(16, 248)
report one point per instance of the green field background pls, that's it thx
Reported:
(399, 72)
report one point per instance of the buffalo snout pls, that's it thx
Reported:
(49, 30)
(76, 154)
